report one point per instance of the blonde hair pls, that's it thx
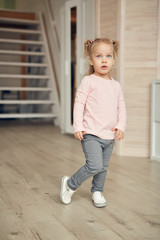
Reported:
(90, 44)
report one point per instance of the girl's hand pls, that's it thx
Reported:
(119, 134)
(79, 135)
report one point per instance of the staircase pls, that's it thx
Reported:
(27, 82)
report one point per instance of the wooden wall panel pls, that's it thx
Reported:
(141, 30)
(108, 18)
(140, 69)
(137, 93)
(137, 27)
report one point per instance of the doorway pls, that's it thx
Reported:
(77, 19)
(73, 58)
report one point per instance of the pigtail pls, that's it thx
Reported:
(87, 47)
(87, 53)
(115, 46)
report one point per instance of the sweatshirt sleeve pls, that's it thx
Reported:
(79, 105)
(121, 109)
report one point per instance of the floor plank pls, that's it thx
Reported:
(34, 157)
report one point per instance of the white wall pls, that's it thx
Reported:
(30, 5)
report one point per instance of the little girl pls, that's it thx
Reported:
(99, 118)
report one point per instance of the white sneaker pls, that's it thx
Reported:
(66, 192)
(99, 200)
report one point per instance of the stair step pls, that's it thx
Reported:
(27, 102)
(22, 52)
(19, 21)
(3, 40)
(28, 115)
(34, 89)
(23, 64)
(16, 30)
(25, 76)
(30, 29)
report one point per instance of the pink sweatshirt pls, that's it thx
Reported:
(99, 107)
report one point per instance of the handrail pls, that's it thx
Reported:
(52, 58)
(50, 64)
(53, 22)
(53, 41)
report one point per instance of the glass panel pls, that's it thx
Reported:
(73, 57)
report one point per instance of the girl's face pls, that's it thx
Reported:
(102, 59)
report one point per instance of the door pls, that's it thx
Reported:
(74, 18)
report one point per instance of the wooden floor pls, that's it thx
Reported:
(34, 157)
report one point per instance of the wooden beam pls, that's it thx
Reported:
(15, 14)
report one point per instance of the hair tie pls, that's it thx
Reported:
(113, 41)
(91, 41)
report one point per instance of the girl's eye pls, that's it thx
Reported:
(98, 56)
(109, 56)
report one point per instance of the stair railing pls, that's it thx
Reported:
(53, 41)
(51, 73)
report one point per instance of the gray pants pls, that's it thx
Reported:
(97, 152)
